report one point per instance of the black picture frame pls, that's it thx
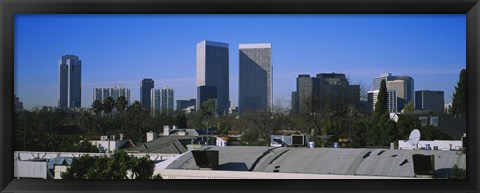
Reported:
(8, 9)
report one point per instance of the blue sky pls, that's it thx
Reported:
(121, 50)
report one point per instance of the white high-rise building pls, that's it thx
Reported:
(162, 100)
(391, 100)
(102, 93)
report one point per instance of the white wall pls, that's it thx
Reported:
(442, 144)
(30, 169)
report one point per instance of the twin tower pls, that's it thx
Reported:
(255, 76)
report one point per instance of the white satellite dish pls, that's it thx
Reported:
(414, 138)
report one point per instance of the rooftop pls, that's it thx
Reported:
(337, 161)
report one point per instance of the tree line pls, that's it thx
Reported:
(34, 129)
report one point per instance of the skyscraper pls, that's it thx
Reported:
(212, 70)
(145, 95)
(162, 100)
(182, 104)
(430, 100)
(70, 79)
(326, 91)
(403, 85)
(255, 80)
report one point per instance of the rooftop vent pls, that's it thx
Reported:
(206, 159)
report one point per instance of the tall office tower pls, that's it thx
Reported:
(306, 93)
(17, 104)
(404, 85)
(378, 80)
(204, 93)
(182, 104)
(70, 76)
(102, 93)
(162, 100)
(294, 101)
(430, 100)
(145, 95)
(409, 92)
(255, 80)
(335, 91)
(212, 70)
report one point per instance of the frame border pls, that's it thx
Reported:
(8, 9)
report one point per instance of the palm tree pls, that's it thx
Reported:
(121, 104)
(97, 107)
(108, 105)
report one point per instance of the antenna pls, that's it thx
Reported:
(414, 138)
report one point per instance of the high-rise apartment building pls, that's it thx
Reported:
(102, 93)
(255, 79)
(162, 100)
(70, 80)
(145, 96)
(430, 100)
(212, 70)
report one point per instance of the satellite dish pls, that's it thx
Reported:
(414, 138)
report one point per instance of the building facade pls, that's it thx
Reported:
(17, 104)
(162, 100)
(183, 104)
(204, 93)
(403, 85)
(392, 105)
(145, 96)
(213, 70)
(70, 79)
(323, 92)
(430, 100)
(102, 93)
(255, 79)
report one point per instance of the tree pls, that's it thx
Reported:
(459, 100)
(408, 109)
(108, 105)
(138, 123)
(142, 168)
(121, 104)
(114, 167)
(381, 105)
(406, 124)
(97, 107)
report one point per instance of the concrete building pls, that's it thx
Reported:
(392, 106)
(213, 70)
(162, 100)
(255, 79)
(18, 105)
(145, 96)
(325, 91)
(183, 104)
(403, 85)
(70, 80)
(430, 100)
(102, 93)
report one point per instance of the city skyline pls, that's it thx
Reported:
(121, 50)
